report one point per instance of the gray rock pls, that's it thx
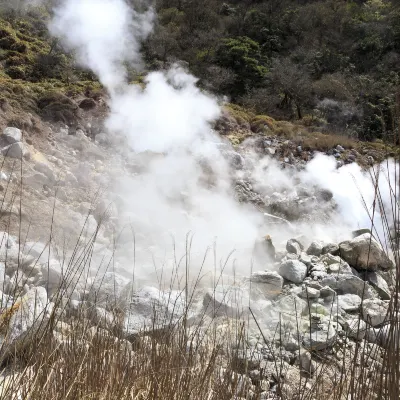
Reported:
(46, 170)
(360, 232)
(270, 282)
(331, 248)
(320, 339)
(15, 150)
(374, 311)
(327, 292)
(305, 362)
(349, 302)
(8, 248)
(364, 252)
(309, 293)
(110, 291)
(293, 271)
(52, 274)
(36, 181)
(355, 328)
(12, 135)
(230, 301)
(340, 268)
(380, 285)
(294, 246)
(350, 284)
(152, 309)
(315, 248)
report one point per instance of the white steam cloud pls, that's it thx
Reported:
(186, 186)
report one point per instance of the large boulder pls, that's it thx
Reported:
(349, 284)
(12, 135)
(365, 253)
(293, 270)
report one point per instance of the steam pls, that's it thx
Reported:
(185, 185)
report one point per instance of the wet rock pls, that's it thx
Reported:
(293, 270)
(364, 252)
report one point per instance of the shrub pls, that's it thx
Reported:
(15, 72)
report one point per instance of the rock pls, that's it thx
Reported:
(349, 302)
(355, 328)
(340, 268)
(36, 181)
(379, 284)
(12, 135)
(152, 309)
(327, 292)
(270, 282)
(349, 284)
(15, 150)
(28, 315)
(46, 170)
(374, 311)
(52, 274)
(360, 232)
(321, 338)
(294, 246)
(230, 301)
(364, 252)
(9, 250)
(309, 293)
(331, 248)
(305, 362)
(293, 271)
(315, 248)
(110, 291)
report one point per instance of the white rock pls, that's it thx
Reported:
(355, 328)
(349, 302)
(269, 282)
(12, 135)
(374, 311)
(52, 274)
(306, 363)
(110, 291)
(379, 284)
(293, 270)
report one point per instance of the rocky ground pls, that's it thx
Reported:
(316, 301)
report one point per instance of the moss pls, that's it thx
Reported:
(260, 123)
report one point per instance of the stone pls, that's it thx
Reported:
(309, 293)
(315, 248)
(355, 328)
(331, 248)
(340, 268)
(28, 315)
(374, 311)
(305, 362)
(36, 181)
(12, 135)
(379, 284)
(8, 248)
(110, 290)
(365, 253)
(52, 274)
(293, 270)
(151, 309)
(15, 150)
(360, 232)
(327, 292)
(270, 282)
(349, 302)
(294, 246)
(320, 339)
(46, 170)
(228, 301)
(349, 284)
